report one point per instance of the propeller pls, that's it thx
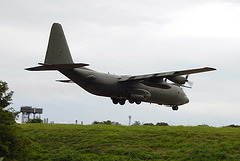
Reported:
(190, 83)
(181, 81)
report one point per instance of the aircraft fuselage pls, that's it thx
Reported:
(108, 85)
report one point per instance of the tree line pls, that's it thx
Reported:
(136, 123)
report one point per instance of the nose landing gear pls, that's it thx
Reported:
(175, 107)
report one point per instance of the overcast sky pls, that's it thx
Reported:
(125, 37)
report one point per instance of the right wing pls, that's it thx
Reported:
(165, 74)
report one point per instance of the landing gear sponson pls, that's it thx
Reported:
(123, 101)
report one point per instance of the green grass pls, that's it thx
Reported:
(107, 142)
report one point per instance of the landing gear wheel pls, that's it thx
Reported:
(137, 102)
(122, 102)
(175, 108)
(115, 101)
(131, 101)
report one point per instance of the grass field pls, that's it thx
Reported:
(108, 142)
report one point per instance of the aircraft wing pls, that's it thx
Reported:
(166, 74)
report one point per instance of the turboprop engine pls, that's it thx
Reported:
(181, 81)
(178, 79)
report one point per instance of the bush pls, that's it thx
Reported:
(204, 125)
(162, 124)
(108, 122)
(233, 125)
(148, 124)
(136, 123)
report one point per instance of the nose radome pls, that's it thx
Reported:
(186, 100)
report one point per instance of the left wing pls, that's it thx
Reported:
(166, 74)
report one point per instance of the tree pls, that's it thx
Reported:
(37, 120)
(136, 123)
(12, 145)
(108, 122)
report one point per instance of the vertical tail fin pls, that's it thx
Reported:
(58, 55)
(57, 51)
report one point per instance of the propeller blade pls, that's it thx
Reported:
(186, 86)
(190, 83)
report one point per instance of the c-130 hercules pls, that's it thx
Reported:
(152, 88)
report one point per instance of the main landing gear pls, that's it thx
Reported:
(122, 101)
(175, 107)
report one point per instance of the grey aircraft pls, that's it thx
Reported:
(152, 88)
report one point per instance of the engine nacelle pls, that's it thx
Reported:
(157, 84)
(178, 79)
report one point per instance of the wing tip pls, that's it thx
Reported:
(210, 68)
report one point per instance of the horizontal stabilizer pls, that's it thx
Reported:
(56, 66)
(65, 81)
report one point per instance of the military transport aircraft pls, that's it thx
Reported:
(152, 88)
